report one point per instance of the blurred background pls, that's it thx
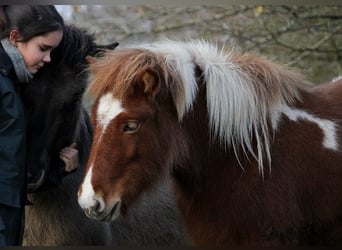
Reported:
(305, 37)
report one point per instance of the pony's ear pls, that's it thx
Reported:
(151, 84)
(99, 50)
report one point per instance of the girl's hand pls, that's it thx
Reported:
(70, 157)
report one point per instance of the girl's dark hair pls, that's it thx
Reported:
(29, 20)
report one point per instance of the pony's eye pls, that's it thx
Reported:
(131, 127)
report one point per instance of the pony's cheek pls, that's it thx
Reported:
(131, 149)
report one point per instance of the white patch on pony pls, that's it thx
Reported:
(328, 127)
(108, 109)
(87, 198)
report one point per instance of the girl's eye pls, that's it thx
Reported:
(44, 48)
(131, 127)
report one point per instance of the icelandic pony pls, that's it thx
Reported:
(253, 151)
(55, 118)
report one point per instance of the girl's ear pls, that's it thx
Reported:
(14, 37)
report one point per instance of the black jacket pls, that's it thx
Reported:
(13, 174)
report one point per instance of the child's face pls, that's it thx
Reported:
(36, 52)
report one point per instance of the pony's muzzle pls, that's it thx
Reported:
(94, 211)
(92, 205)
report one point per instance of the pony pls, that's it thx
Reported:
(56, 116)
(253, 150)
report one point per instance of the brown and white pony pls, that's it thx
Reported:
(253, 151)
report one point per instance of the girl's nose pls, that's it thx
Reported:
(47, 58)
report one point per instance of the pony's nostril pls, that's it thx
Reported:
(96, 208)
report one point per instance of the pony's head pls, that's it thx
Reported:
(136, 135)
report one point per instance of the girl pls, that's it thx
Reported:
(28, 34)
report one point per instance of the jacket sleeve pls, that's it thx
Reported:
(12, 146)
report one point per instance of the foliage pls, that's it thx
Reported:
(306, 37)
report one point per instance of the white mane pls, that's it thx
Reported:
(239, 105)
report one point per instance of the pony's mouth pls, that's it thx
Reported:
(113, 213)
